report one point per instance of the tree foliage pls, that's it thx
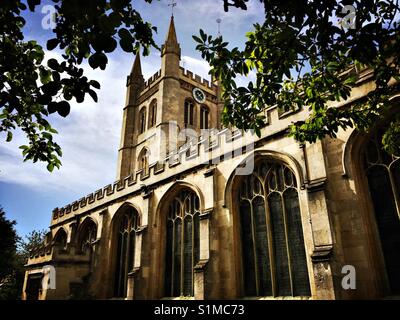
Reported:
(8, 245)
(32, 241)
(14, 254)
(310, 54)
(8, 258)
(30, 90)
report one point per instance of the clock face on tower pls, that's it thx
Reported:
(199, 95)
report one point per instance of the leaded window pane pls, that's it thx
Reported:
(296, 244)
(248, 249)
(264, 273)
(196, 236)
(388, 222)
(183, 244)
(168, 261)
(125, 253)
(384, 183)
(177, 257)
(273, 253)
(188, 257)
(280, 245)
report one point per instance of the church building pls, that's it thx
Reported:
(200, 211)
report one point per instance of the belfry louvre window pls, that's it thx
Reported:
(189, 110)
(153, 113)
(204, 117)
(383, 172)
(142, 120)
(125, 250)
(182, 246)
(273, 253)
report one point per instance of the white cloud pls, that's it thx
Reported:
(197, 66)
(89, 138)
(90, 135)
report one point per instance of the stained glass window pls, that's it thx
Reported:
(182, 244)
(273, 253)
(125, 251)
(383, 172)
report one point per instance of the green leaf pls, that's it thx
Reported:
(52, 107)
(197, 39)
(97, 60)
(47, 135)
(53, 64)
(203, 35)
(52, 44)
(50, 167)
(93, 94)
(51, 88)
(110, 45)
(9, 136)
(94, 84)
(126, 40)
(32, 4)
(45, 76)
(63, 108)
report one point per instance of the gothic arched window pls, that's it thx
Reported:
(144, 161)
(88, 235)
(189, 112)
(142, 120)
(273, 253)
(60, 239)
(183, 244)
(125, 249)
(383, 172)
(153, 113)
(204, 117)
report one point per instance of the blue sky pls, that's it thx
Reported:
(89, 136)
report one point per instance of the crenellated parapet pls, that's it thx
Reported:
(51, 252)
(210, 148)
(151, 80)
(192, 77)
(186, 75)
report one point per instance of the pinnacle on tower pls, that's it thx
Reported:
(137, 67)
(171, 37)
(135, 78)
(171, 44)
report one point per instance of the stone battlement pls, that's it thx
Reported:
(196, 78)
(210, 148)
(152, 79)
(189, 75)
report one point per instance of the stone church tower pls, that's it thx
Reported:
(204, 212)
(156, 107)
